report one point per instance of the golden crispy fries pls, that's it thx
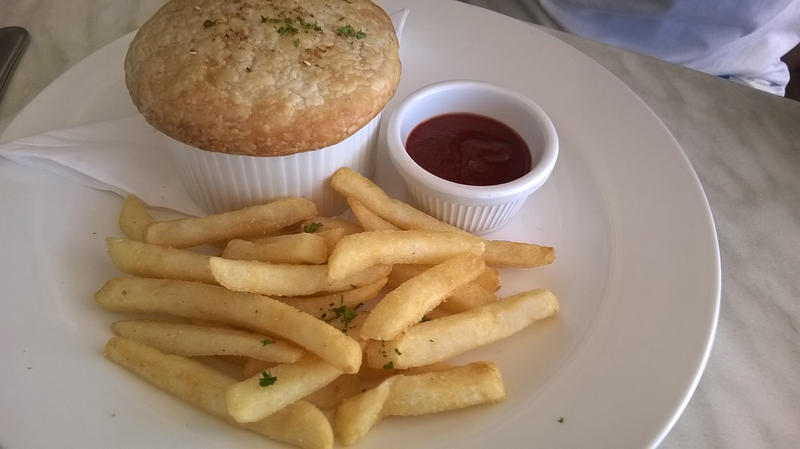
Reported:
(190, 340)
(405, 306)
(489, 279)
(248, 311)
(265, 393)
(467, 297)
(253, 366)
(441, 303)
(302, 248)
(369, 220)
(229, 359)
(287, 280)
(440, 339)
(461, 299)
(351, 184)
(134, 218)
(331, 395)
(465, 386)
(332, 237)
(358, 252)
(153, 261)
(301, 423)
(434, 314)
(251, 221)
(372, 376)
(317, 224)
(516, 254)
(321, 306)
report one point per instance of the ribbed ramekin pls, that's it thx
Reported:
(477, 209)
(220, 182)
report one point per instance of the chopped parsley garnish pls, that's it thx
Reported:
(270, 20)
(312, 227)
(397, 351)
(296, 42)
(308, 26)
(349, 31)
(266, 342)
(267, 379)
(424, 319)
(286, 29)
(345, 313)
(389, 365)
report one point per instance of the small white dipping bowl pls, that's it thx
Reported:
(477, 209)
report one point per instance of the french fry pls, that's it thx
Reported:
(467, 297)
(134, 218)
(331, 237)
(461, 299)
(405, 306)
(190, 340)
(320, 306)
(287, 280)
(489, 279)
(351, 184)
(437, 340)
(265, 393)
(357, 252)
(331, 395)
(501, 253)
(300, 423)
(251, 221)
(154, 261)
(460, 387)
(369, 220)
(318, 223)
(302, 248)
(253, 312)
(229, 359)
(253, 366)
(372, 376)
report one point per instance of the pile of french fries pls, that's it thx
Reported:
(317, 313)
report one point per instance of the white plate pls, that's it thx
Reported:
(637, 268)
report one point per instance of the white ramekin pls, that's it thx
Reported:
(220, 182)
(477, 209)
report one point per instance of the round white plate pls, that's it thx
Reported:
(637, 268)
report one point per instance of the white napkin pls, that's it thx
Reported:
(123, 156)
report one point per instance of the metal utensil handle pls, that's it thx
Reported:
(13, 41)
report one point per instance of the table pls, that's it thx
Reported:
(744, 145)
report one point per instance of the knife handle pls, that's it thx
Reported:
(13, 41)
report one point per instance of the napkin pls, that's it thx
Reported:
(124, 156)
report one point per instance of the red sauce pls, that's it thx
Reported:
(469, 149)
